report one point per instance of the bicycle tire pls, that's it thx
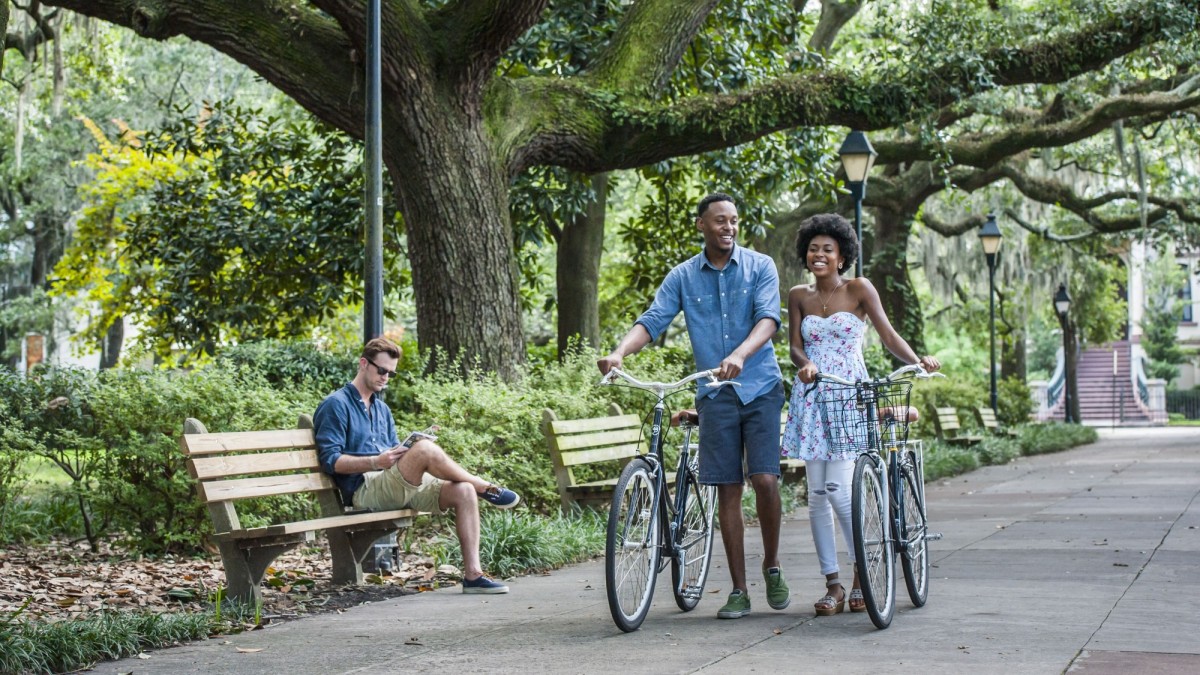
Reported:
(694, 536)
(872, 549)
(914, 559)
(633, 546)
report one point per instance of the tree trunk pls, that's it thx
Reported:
(455, 205)
(4, 10)
(47, 249)
(578, 272)
(886, 265)
(110, 351)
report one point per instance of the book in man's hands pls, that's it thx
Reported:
(429, 433)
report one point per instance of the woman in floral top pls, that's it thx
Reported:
(826, 325)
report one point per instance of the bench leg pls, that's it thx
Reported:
(245, 567)
(348, 550)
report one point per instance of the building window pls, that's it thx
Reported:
(1185, 294)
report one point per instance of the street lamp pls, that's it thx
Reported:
(857, 159)
(1062, 303)
(990, 236)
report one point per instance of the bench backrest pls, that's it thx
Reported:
(573, 443)
(232, 466)
(987, 418)
(946, 421)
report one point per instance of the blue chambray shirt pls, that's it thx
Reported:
(342, 426)
(720, 308)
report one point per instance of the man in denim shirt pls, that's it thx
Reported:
(357, 445)
(730, 300)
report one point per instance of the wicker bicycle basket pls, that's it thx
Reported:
(843, 409)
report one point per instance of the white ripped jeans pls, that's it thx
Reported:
(829, 495)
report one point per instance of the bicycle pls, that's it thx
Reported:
(888, 498)
(636, 541)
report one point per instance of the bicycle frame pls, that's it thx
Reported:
(667, 508)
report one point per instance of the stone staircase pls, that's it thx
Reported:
(1106, 399)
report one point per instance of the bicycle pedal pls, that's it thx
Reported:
(933, 536)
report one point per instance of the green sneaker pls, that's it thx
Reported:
(736, 607)
(778, 595)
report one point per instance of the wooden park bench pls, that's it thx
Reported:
(949, 430)
(615, 438)
(987, 419)
(230, 467)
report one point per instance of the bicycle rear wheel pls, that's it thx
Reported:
(633, 547)
(914, 559)
(694, 536)
(872, 549)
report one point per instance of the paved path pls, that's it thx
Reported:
(1083, 561)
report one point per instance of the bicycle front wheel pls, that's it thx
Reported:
(914, 558)
(872, 549)
(694, 538)
(632, 549)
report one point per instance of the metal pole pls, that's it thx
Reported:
(373, 166)
(992, 321)
(858, 191)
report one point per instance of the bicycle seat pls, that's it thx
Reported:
(690, 416)
(895, 412)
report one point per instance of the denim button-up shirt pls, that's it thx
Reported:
(721, 307)
(343, 426)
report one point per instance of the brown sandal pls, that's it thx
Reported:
(829, 605)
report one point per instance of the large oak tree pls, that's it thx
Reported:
(457, 131)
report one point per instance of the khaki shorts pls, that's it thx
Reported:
(387, 490)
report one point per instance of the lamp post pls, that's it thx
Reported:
(373, 167)
(1062, 303)
(857, 159)
(990, 236)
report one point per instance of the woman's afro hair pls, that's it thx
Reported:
(830, 225)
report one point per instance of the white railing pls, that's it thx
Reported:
(1151, 392)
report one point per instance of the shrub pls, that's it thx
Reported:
(292, 363)
(1014, 402)
(943, 459)
(148, 494)
(1053, 436)
(996, 450)
(943, 393)
(517, 542)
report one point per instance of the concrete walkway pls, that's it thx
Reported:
(1083, 561)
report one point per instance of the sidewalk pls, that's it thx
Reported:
(1084, 560)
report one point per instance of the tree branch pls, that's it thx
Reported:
(27, 44)
(299, 50)
(834, 16)
(593, 131)
(1051, 191)
(648, 45)
(984, 149)
(476, 33)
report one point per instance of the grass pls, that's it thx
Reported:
(517, 542)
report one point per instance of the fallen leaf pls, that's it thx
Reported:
(248, 650)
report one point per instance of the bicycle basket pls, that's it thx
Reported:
(844, 409)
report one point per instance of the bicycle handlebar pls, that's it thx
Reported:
(916, 368)
(662, 388)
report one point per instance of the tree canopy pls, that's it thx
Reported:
(458, 128)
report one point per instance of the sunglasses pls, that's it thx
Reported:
(380, 369)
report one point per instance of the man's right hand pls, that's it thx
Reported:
(609, 362)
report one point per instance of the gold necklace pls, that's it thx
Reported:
(825, 299)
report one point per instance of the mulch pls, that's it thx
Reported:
(64, 580)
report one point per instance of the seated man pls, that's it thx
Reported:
(357, 445)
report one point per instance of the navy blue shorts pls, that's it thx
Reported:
(739, 440)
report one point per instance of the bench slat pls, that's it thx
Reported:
(208, 468)
(245, 441)
(599, 439)
(595, 424)
(263, 486)
(601, 454)
(301, 526)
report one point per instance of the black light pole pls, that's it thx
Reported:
(991, 236)
(373, 166)
(1062, 303)
(857, 159)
